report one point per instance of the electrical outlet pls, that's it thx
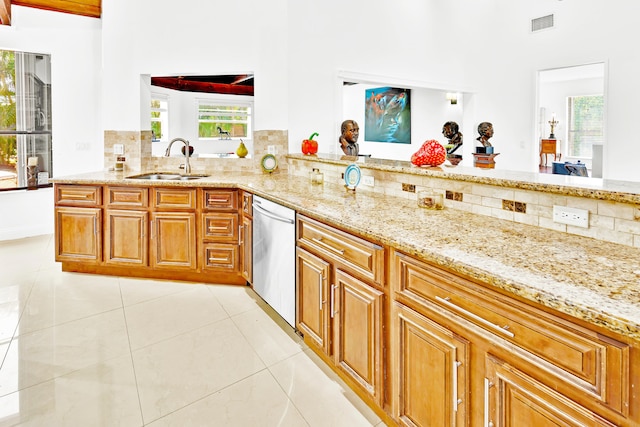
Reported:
(368, 180)
(571, 216)
(118, 149)
(271, 149)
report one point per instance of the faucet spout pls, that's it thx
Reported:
(187, 166)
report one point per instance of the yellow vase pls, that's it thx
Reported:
(242, 150)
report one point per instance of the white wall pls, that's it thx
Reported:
(74, 45)
(214, 37)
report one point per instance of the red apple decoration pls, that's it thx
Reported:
(432, 153)
(309, 146)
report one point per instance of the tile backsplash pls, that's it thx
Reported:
(608, 221)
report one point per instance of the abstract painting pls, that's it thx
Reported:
(387, 115)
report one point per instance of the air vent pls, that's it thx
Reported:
(541, 23)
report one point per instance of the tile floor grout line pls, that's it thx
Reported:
(133, 365)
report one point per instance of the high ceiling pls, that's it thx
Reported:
(92, 8)
(238, 84)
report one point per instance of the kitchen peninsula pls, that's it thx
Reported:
(502, 308)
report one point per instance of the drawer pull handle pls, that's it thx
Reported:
(333, 289)
(212, 259)
(456, 401)
(327, 246)
(502, 329)
(320, 286)
(487, 385)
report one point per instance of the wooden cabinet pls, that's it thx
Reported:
(514, 399)
(78, 223)
(525, 366)
(312, 313)
(246, 236)
(126, 231)
(78, 234)
(126, 237)
(357, 312)
(430, 371)
(220, 232)
(340, 302)
(173, 240)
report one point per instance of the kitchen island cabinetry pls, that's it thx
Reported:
(496, 360)
(340, 303)
(78, 223)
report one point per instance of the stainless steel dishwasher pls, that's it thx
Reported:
(274, 265)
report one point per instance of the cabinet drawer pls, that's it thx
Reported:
(353, 252)
(221, 226)
(221, 256)
(78, 195)
(580, 357)
(221, 200)
(123, 197)
(174, 198)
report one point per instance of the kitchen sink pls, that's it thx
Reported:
(167, 176)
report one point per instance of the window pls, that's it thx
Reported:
(159, 117)
(586, 124)
(223, 120)
(25, 120)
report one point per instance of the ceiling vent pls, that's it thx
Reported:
(541, 23)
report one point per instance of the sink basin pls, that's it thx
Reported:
(166, 176)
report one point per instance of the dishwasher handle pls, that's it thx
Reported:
(271, 215)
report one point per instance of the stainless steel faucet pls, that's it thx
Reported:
(187, 166)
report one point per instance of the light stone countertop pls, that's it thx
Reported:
(595, 188)
(595, 281)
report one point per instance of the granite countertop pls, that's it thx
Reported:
(596, 281)
(595, 188)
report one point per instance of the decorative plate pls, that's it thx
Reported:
(269, 163)
(352, 176)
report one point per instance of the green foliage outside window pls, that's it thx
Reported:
(8, 143)
(215, 121)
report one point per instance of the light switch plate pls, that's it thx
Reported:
(118, 149)
(571, 216)
(368, 180)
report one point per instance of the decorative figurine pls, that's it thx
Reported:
(553, 123)
(484, 157)
(349, 137)
(485, 129)
(451, 131)
(223, 133)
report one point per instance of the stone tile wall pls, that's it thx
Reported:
(137, 145)
(608, 221)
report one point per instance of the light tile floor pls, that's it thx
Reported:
(87, 350)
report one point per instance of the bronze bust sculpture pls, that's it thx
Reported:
(349, 137)
(451, 131)
(485, 129)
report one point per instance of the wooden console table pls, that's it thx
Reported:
(549, 146)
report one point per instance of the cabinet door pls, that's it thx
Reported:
(246, 249)
(431, 371)
(173, 240)
(311, 298)
(126, 237)
(78, 234)
(514, 399)
(356, 309)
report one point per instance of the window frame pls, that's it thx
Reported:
(572, 132)
(164, 118)
(219, 101)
